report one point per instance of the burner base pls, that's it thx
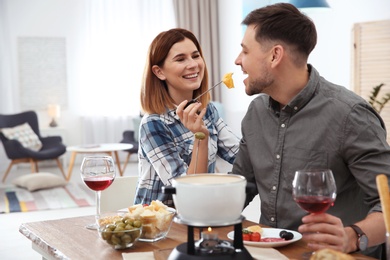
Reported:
(180, 253)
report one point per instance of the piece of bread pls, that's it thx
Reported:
(255, 228)
(330, 254)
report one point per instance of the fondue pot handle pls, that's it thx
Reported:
(251, 192)
(250, 188)
(168, 190)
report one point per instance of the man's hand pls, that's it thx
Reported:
(325, 231)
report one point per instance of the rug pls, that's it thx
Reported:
(72, 195)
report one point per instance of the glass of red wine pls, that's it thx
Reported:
(314, 190)
(97, 172)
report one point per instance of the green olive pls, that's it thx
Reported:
(126, 239)
(116, 233)
(129, 227)
(137, 223)
(129, 221)
(115, 240)
(200, 135)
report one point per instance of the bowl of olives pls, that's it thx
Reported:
(118, 231)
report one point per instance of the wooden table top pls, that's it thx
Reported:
(69, 239)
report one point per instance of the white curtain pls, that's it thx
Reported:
(117, 38)
(201, 17)
(117, 35)
(113, 128)
(6, 100)
(7, 91)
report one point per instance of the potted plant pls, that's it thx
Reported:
(377, 104)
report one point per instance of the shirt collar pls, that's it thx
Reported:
(303, 97)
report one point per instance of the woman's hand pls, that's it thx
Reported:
(192, 120)
(191, 117)
(324, 231)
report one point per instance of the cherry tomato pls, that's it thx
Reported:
(255, 237)
(246, 237)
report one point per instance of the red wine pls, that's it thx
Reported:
(98, 183)
(314, 204)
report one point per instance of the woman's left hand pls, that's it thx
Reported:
(324, 231)
(191, 118)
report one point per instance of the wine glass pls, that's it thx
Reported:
(314, 190)
(97, 172)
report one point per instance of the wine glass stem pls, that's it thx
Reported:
(97, 216)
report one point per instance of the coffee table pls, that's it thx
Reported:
(108, 148)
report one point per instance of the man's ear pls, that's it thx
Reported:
(277, 54)
(158, 72)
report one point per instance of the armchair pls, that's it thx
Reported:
(18, 150)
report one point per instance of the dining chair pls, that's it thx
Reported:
(23, 142)
(384, 195)
(129, 137)
(119, 195)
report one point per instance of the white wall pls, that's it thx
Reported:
(331, 57)
(60, 18)
(49, 18)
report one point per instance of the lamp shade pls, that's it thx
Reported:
(53, 110)
(310, 3)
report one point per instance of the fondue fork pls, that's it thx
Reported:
(199, 136)
(194, 100)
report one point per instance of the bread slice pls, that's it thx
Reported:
(255, 228)
(330, 254)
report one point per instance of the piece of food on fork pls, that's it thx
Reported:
(227, 80)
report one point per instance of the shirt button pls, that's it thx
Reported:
(272, 219)
(283, 125)
(277, 156)
(295, 108)
(273, 187)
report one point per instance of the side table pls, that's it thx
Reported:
(109, 148)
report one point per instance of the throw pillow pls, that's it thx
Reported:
(39, 181)
(25, 135)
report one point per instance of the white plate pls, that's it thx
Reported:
(270, 232)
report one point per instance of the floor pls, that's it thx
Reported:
(15, 246)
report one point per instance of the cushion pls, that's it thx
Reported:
(25, 135)
(38, 181)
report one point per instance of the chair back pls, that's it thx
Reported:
(384, 195)
(29, 117)
(119, 195)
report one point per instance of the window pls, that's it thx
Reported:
(371, 61)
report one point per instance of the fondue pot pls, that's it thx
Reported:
(208, 199)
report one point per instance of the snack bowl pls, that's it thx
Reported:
(156, 227)
(119, 231)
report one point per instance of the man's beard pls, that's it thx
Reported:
(260, 85)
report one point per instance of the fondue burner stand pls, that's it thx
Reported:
(209, 246)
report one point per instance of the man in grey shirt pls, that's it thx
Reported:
(302, 121)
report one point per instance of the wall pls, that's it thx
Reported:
(60, 18)
(49, 18)
(331, 57)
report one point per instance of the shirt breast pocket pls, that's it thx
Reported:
(298, 159)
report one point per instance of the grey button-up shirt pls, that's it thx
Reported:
(324, 126)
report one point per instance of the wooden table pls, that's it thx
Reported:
(110, 149)
(69, 239)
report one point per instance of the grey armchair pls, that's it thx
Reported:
(52, 147)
